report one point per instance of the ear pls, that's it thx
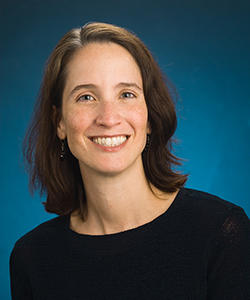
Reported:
(59, 124)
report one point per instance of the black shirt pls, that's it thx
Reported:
(198, 249)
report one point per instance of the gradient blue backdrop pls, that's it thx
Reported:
(203, 46)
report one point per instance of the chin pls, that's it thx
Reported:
(111, 170)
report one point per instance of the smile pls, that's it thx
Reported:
(110, 141)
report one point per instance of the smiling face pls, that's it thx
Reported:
(104, 113)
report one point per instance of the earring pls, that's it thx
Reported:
(62, 154)
(147, 142)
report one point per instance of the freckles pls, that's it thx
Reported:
(140, 115)
(75, 121)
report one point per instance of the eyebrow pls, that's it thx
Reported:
(128, 84)
(80, 87)
(93, 86)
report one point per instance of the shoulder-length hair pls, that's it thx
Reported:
(61, 182)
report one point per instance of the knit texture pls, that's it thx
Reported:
(198, 249)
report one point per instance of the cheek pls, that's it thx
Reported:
(75, 128)
(75, 122)
(140, 117)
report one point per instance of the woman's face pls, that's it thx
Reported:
(104, 113)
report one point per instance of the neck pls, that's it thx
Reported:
(119, 202)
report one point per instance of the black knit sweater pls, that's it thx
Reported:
(198, 249)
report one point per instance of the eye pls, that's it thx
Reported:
(127, 95)
(85, 98)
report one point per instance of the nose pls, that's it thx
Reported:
(108, 114)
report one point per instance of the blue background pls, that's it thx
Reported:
(204, 47)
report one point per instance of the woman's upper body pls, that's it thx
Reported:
(198, 249)
(122, 232)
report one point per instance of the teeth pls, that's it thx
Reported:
(110, 142)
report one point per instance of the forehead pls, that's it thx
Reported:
(99, 48)
(96, 57)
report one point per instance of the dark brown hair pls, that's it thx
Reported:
(61, 181)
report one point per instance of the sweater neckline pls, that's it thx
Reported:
(127, 237)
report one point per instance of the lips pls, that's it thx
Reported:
(110, 141)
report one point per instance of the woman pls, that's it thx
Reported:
(99, 147)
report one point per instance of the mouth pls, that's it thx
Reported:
(110, 141)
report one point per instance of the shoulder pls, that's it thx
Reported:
(207, 210)
(223, 229)
(211, 204)
(35, 250)
(46, 233)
